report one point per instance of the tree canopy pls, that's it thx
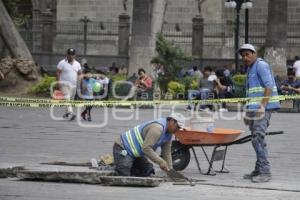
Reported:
(19, 10)
(168, 56)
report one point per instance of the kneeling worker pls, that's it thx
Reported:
(135, 146)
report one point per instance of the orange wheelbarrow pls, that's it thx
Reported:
(220, 139)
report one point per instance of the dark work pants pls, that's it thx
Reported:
(129, 166)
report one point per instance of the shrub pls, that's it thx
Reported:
(195, 84)
(117, 77)
(239, 84)
(190, 83)
(239, 79)
(121, 89)
(43, 86)
(175, 88)
(167, 55)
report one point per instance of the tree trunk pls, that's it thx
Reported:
(276, 42)
(3, 49)
(11, 36)
(147, 20)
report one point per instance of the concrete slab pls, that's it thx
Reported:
(131, 181)
(64, 174)
(77, 174)
(10, 171)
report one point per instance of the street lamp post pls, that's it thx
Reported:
(238, 5)
(85, 21)
(246, 25)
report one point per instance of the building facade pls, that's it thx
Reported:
(103, 16)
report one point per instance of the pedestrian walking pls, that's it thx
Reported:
(86, 92)
(67, 73)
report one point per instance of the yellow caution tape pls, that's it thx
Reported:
(30, 102)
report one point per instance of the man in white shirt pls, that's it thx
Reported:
(296, 66)
(67, 73)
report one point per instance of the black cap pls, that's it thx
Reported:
(71, 51)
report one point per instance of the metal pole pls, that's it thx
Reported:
(246, 25)
(237, 35)
(85, 21)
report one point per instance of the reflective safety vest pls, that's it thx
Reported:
(255, 88)
(133, 139)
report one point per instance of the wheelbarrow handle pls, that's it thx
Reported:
(249, 137)
(274, 133)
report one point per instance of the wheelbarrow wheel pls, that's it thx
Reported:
(180, 156)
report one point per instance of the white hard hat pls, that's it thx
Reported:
(179, 118)
(247, 47)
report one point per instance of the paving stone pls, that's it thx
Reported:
(30, 136)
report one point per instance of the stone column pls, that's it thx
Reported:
(47, 31)
(124, 29)
(197, 37)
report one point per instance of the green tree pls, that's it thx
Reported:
(10, 35)
(168, 56)
(19, 10)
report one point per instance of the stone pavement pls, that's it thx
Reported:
(29, 136)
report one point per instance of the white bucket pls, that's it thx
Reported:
(202, 122)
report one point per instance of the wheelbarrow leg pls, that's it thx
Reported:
(223, 169)
(197, 161)
(210, 170)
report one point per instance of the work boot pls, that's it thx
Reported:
(188, 108)
(261, 178)
(252, 174)
(66, 115)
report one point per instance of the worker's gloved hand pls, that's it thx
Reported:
(164, 166)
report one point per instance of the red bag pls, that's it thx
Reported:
(58, 95)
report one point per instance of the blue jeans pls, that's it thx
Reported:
(205, 93)
(192, 94)
(258, 129)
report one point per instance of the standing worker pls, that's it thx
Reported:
(260, 84)
(132, 150)
(67, 73)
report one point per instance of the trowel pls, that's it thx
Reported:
(178, 177)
